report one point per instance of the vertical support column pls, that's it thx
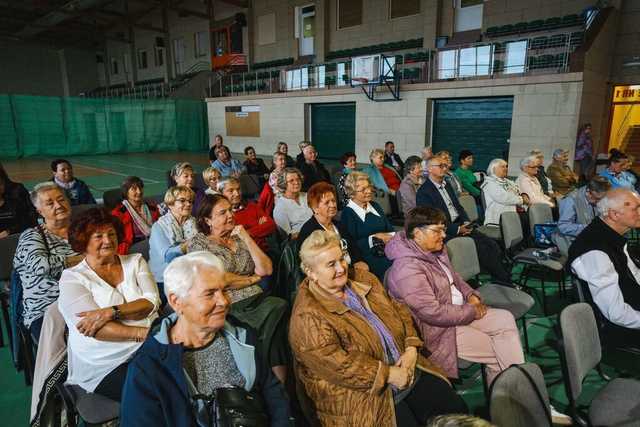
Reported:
(133, 57)
(251, 33)
(321, 38)
(63, 72)
(168, 76)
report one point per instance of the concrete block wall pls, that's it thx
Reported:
(545, 115)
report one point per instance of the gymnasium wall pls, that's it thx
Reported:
(545, 115)
(501, 12)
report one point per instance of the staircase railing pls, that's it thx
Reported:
(623, 144)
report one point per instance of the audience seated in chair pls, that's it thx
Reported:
(349, 339)
(500, 193)
(254, 165)
(249, 214)
(211, 176)
(284, 149)
(16, 211)
(171, 233)
(77, 191)
(465, 175)
(291, 210)
(312, 170)
(391, 158)
(577, 210)
(449, 177)
(108, 302)
(300, 156)
(543, 179)
(182, 175)
(227, 165)
(279, 165)
(136, 215)
(196, 352)
(42, 253)
(322, 201)
(366, 222)
(247, 270)
(382, 176)
(438, 194)
(563, 179)
(217, 142)
(349, 164)
(600, 256)
(614, 172)
(17, 191)
(410, 184)
(529, 184)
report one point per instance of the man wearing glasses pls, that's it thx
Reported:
(438, 194)
(528, 182)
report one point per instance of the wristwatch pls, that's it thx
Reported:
(116, 312)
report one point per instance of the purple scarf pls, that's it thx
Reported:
(391, 351)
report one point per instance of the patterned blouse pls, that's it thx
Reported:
(238, 262)
(39, 270)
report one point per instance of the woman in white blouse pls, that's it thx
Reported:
(500, 193)
(108, 302)
(291, 211)
(528, 182)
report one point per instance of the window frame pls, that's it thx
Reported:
(199, 50)
(139, 59)
(338, 27)
(114, 66)
(391, 18)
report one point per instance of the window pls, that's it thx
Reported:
(114, 66)
(349, 13)
(202, 43)
(142, 59)
(400, 8)
(159, 56)
(468, 3)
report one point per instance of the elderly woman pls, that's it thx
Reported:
(227, 165)
(279, 165)
(198, 353)
(77, 191)
(284, 149)
(182, 175)
(322, 201)
(42, 253)
(291, 210)
(563, 179)
(451, 316)
(136, 215)
(349, 163)
(211, 176)
(374, 365)
(410, 184)
(247, 268)
(528, 182)
(500, 193)
(382, 176)
(172, 231)
(254, 165)
(366, 222)
(108, 302)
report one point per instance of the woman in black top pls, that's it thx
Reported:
(254, 165)
(16, 211)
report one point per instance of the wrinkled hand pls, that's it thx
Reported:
(408, 360)
(463, 230)
(385, 237)
(361, 265)
(4, 234)
(399, 377)
(474, 300)
(240, 231)
(262, 220)
(92, 321)
(481, 309)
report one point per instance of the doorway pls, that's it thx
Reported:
(333, 128)
(468, 15)
(178, 56)
(306, 28)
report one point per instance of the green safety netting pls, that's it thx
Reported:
(56, 126)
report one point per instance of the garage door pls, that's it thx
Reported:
(333, 128)
(482, 125)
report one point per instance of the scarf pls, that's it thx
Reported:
(65, 185)
(143, 224)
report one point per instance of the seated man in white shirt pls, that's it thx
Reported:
(600, 256)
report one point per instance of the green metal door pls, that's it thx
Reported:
(333, 128)
(482, 125)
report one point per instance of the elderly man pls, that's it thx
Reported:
(392, 158)
(410, 184)
(529, 184)
(197, 354)
(300, 156)
(577, 210)
(562, 177)
(600, 257)
(312, 170)
(249, 214)
(438, 194)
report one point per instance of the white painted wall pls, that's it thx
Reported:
(545, 115)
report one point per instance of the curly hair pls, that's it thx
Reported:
(86, 223)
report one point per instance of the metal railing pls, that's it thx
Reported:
(501, 58)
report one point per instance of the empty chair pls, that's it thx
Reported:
(617, 403)
(464, 259)
(539, 213)
(141, 247)
(91, 408)
(519, 398)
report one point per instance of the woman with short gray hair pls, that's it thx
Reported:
(42, 253)
(500, 193)
(528, 182)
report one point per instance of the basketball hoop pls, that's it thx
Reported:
(361, 80)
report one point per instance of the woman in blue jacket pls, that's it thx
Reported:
(194, 352)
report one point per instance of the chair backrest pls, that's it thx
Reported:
(539, 213)
(111, 198)
(142, 247)
(483, 200)
(511, 229)
(78, 209)
(289, 274)
(382, 199)
(156, 199)
(519, 398)
(8, 247)
(464, 257)
(469, 205)
(581, 349)
(249, 185)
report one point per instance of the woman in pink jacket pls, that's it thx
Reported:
(450, 314)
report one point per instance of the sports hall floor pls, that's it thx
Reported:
(103, 172)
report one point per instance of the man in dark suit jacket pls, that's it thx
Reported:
(392, 159)
(436, 193)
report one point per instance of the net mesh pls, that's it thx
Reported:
(57, 126)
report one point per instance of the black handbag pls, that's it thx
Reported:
(238, 407)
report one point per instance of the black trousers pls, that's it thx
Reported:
(430, 396)
(111, 385)
(490, 256)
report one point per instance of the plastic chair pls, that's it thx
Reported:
(91, 408)
(539, 213)
(8, 247)
(464, 260)
(382, 199)
(111, 198)
(468, 203)
(616, 404)
(141, 247)
(519, 398)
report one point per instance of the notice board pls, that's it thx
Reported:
(242, 120)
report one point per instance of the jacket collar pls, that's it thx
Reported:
(334, 305)
(362, 213)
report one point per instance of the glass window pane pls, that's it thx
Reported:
(515, 57)
(447, 64)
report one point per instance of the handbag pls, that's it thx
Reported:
(543, 234)
(378, 247)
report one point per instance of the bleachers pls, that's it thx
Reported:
(548, 24)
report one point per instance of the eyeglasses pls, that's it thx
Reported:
(365, 189)
(438, 229)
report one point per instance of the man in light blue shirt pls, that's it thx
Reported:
(614, 172)
(225, 164)
(577, 210)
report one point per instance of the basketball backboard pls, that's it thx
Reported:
(371, 69)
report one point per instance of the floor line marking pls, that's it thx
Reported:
(152, 181)
(130, 165)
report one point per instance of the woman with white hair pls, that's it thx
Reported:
(500, 193)
(529, 184)
(196, 355)
(42, 253)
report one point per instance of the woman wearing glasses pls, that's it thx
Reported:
(366, 222)
(291, 210)
(321, 198)
(528, 182)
